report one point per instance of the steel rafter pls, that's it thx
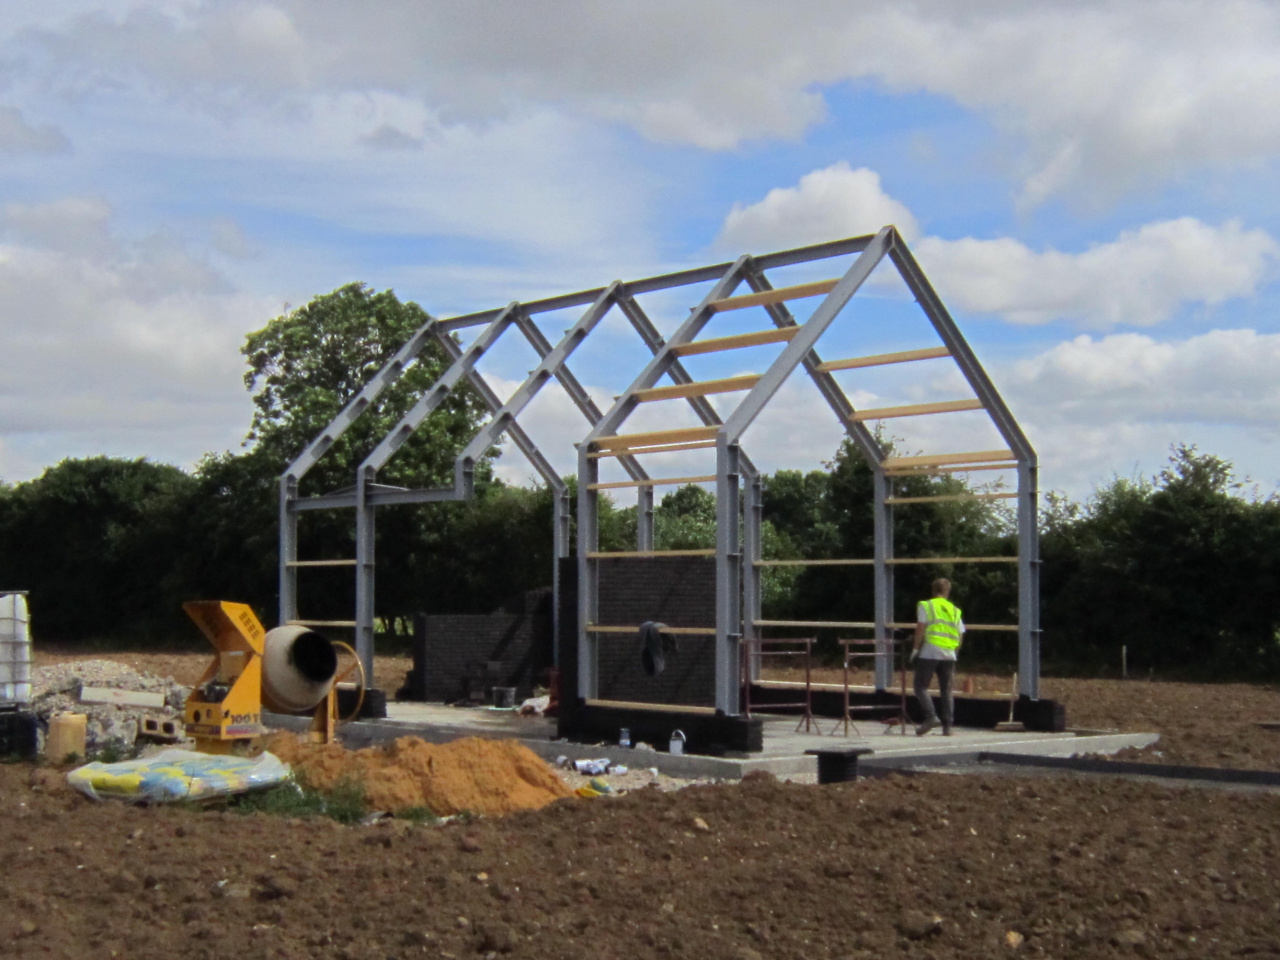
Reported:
(738, 483)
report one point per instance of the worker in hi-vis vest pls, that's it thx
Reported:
(939, 631)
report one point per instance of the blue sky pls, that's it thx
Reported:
(1090, 186)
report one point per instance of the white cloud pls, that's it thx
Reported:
(834, 202)
(117, 345)
(19, 137)
(1142, 278)
(1103, 97)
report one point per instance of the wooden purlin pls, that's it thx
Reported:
(881, 359)
(947, 459)
(736, 341)
(661, 448)
(952, 497)
(652, 482)
(779, 295)
(620, 554)
(683, 631)
(655, 438)
(918, 409)
(699, 388)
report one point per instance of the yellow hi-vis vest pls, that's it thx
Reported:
(942, 628)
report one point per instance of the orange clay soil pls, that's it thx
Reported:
(489, 777)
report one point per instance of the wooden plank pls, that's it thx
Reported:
(123, 698)
(618, 554)
(943, 471)
(952, 496)
(683, 631)
(897, 560)
(880, 359)
(700, 388)
(813, 563)
(917, 409)
(321, 563)
(651, 482)
(653, 438)
(836, 624)
(736, 341)
(980, 627)
(780, 295)
(945, 459)
(656, 707)
(665, 448)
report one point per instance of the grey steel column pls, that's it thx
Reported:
(644, 517)
(365, 539)
(883, 534)
(1028, 582)
(288, 600)
(752, 516)
(728, 574)
(560, 547)
(588, 599)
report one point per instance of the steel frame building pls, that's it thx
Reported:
(737, 552)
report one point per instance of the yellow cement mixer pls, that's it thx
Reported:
(290, 669)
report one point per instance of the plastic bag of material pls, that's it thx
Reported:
(178, 775)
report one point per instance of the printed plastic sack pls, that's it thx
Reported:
(178, 775)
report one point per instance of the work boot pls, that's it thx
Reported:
(925, 727)
(946, 731)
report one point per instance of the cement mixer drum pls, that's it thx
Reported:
(298, 669)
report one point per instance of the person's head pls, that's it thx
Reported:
(942, 587)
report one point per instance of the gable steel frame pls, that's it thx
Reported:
(738, 485)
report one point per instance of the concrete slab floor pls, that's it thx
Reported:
(784, 746)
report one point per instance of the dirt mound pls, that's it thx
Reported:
(489, 777)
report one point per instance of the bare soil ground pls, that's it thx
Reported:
(929, 866)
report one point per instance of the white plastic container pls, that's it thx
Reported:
(15, 649)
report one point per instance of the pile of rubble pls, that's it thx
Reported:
(115, 698)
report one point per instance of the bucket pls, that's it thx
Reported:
(504, 697)
(678, 739)
(66, 736)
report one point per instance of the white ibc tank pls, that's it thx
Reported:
(15, 649)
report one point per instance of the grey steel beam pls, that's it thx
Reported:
(752, 589)
(729, 625)
(551, 363)
(666, 281)
(1028, 517)
(588, 587)
(1028, 582)
(961, 352)
(803, 342)
(827, 385)
(882, 532)
(665, 359)
(438, 391)
(678, 374)
(589, 474)
(302, 464)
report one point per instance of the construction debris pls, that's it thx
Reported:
(114, 718)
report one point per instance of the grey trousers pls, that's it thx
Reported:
(946, 670)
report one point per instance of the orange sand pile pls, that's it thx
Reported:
(488, 777)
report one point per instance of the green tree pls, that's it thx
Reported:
(304, 367)
(94, 541)
(1180, 569)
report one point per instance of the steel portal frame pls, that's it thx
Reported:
(738, 484)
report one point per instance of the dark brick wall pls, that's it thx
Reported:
(508, 648)
(678, 591)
